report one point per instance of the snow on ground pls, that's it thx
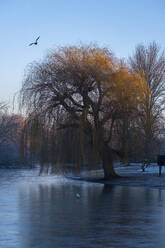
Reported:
(136, 168)
(132, 175)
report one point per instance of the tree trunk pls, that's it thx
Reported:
(108, 162)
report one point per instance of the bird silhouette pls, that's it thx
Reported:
(36, 42)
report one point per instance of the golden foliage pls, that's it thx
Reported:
(129, 90)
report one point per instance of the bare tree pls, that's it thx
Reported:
(3, 126)
(89, 88)
(3, 107)
(150, 62)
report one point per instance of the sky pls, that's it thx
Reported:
(117, 24)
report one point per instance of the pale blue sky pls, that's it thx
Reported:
(118, 24)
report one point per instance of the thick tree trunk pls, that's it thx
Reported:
(108, 162)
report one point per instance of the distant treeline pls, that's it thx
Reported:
(10, 133)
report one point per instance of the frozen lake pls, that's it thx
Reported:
(44, 212)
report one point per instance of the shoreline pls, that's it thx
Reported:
(131, 175)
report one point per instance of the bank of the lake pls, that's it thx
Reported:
(131, 175)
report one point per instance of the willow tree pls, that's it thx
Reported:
(88, 88)
(150, 62)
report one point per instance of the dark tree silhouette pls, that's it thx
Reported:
(84, 88)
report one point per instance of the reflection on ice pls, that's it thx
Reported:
(45, 212)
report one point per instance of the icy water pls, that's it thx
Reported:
(44, 212)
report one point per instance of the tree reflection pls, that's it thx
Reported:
(51, 214)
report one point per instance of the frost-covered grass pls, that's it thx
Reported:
(131, 175)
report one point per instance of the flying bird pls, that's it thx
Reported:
(36, 42)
